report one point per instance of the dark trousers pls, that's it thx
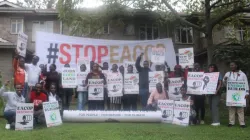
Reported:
(144, 94)
(130, 102)
(106, 99)
(67, 97)
(96, 105)
(10, 116)
(199, 105)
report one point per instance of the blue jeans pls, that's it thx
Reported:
(144, 93)
(10, 116)
(82, 99)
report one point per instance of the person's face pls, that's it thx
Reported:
(121, 68)
(197, 67)
(105, 66)
(158, 68)
(183, 91)
(53, 89)
(83, 68)
(35, 60)
(52, 68)
(114, 67)
(21, 62)
(19, 89)
(38, 88)
(130, 69)
(211, 69)
(145, 64)
(159, 87)
(95, 67)
(233, 66)
(67, 66)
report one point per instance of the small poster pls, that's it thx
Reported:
(167, 109)
(81, 77)
(154, 78)
(131, 83)
(236, 92)
(22, 40)
(126, 64)
(52, 114)
(83, 65)
(95, 91)
(194, 82)
(115, 84)
(69, 78)
(24, 116)
(174, 88)
(186, 57)
(209, 83)
(158, 55)
(181, 113)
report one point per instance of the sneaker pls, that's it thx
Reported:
(202, 122)
(243, 126)
(7, 126)
(215, 124)
(230, 125)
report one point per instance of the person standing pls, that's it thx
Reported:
(214, 100)
(236, 75)
(143, 80)
(82, 91)
(67, 94)
(12, 99)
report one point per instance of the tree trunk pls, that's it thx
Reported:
(209, 44)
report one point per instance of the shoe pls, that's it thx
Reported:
(202, 122)
(215, 124)
(230, 125)
(7, 126)
(243, 126)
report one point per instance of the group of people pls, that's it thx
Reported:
(34, 84)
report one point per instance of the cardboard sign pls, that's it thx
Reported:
(236, 92)
(154, 78)
(126, 64)
(158, 55)
(174, 88)
(194, 82)
(115, 84)
(167, 109)
(181, 113)
(131, 83)
(24, 116)
(69, 78)
(22, 40)
(81, 77)
(52, 114)
(210, 82)
(96, 91)
(186, 57)
(83, 63)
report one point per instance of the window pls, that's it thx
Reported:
(184, 35)
(129, 29)
(44, 26)
(106, 29)
(242, 35)
(229, 32)
(149, 32)
(16, 26)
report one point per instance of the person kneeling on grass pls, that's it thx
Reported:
(12, 98)
(52, 96)
(158, 94)
(38, 97)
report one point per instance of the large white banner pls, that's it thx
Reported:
(24, 116)
(115, 84)
(210, 81)
(186, 57)
(69, 76)
(62, 49)
(194, 82)
(131, 83)
(96, 91)
(181, 113)
(52, 114)
(154, 78)
(236, 92)
(167, 109)
(81, 77)
(174, 86)
(22, 40)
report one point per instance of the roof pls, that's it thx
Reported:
(6, 3)
(6, 44)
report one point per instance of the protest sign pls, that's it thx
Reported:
(62, 49)
(209, 83)
(158, 55)
(52, 114)
(181, 113)
(81, 77)
(186, 57)
(115, 84)
(22, 40)
(69, 76)
(126, 64)
(236, 92)
(95, 91)
(24, 116)
(84, 64)
(167, 109)
(154, 78)
(131, 83)
(174, 88)
(194, 83)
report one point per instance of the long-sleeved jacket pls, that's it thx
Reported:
(143, 75)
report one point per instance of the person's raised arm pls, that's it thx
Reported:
(168, 68)
(137, 63)
(2, 90)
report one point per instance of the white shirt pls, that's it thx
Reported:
(26, 77)
(34, 72)
(52, 98)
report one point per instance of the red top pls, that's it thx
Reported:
(19, 73)
(37, 99)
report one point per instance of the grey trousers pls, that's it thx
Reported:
(214, 101)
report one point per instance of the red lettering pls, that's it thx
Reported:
(65, 53)
(77, 47)
(86, 52)
(100, 54)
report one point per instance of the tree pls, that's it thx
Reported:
(38, 4)
(213, 13)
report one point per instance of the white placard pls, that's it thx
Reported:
(194, 82)
(83, 61)
(69, 76)
(95, 91)
(131, 83)
(81, 77)
(186, 57)
(236, 92)
(115, 84)
(22, 40)
(174, 88)
(52, 114)
(167, 109)
(158, 55)
(126, 64)
(24, 116)
(210, 82)
(181, 113)
(154, 78)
